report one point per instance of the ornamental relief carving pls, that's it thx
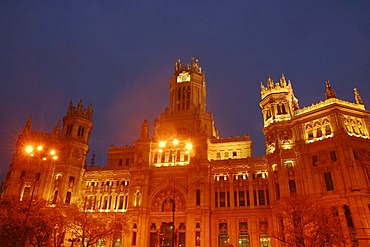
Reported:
(222, 185)
(260, 183)
(240, 184)
(355, 126)
(163, 200)
(286, 137)
(317, 130)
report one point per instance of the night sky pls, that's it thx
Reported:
(119, 56)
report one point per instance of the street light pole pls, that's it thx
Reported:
(29, 151)
(173, 201)
(175, 148)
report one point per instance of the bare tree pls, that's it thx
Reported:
(40, 223)
(90, 227)
(307, 222)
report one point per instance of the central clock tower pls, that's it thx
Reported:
(188, 88)
(186, 115)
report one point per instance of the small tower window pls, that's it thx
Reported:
(69, 130)
(80, 131)
(283, 109)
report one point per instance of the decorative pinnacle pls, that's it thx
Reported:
(329, 91)
(358, 97)
(193, 67)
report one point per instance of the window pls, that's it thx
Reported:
(197, 198)
(197, 238)
(241, 198)
(347, 214)
(134, 235)
(218, 155)
(71, 181)
(292, 187)
(283, 110)
(216, 199)
(120, 162)
(328, 181)
(310, 135)
(68, 197)
(26, 192)
(333, 156)
(222, 199)
(255, 197)
(277, 190)
(69, 130)
(318, 133)
(261, 197)
(235, 154)
(128, 161)
(80, 131)
(265, 240)
(327, 130)
(181, 239)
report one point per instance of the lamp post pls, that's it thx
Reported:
(39, 155)
(175, 147)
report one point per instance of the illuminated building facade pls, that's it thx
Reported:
(210, 187)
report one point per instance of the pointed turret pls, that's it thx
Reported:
(56, 131)
(27, 127)
(329, 91)
(144, 130)
(358, 97)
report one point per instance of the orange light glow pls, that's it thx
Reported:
(29, 149)
(189, 146)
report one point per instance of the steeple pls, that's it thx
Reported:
(329, 91)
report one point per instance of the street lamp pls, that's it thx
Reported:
(175, 147)
(39, 155)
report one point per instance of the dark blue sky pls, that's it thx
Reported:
(119, 56)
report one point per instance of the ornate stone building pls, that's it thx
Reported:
(220, 192)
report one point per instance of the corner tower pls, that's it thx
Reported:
(278, 104)
(277, 101)
(77, 126)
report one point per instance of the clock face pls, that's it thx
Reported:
(184, 76)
